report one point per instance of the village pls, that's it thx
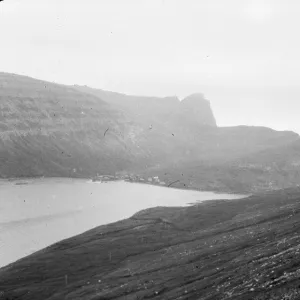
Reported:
(128, 177)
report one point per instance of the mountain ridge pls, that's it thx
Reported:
(141, 107)
(49, 129)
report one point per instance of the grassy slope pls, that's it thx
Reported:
(48, 129)
(53, 130)
(178, 123)
(240, 159)
(240, 249)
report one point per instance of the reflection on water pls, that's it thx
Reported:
(37, 213)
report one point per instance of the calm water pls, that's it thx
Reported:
(44, 211)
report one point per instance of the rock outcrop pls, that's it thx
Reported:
(198, 108)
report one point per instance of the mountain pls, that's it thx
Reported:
(158, 111)
(205, 156)
(48, 129)
(53, 130)
(191, 126)
(198, 108)
(225, 249)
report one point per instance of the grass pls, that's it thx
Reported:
(224, 249)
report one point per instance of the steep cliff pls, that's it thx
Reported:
(53, 130)
(194, 108)
(197, 108)
(48, 129)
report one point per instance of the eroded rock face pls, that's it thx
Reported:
(158, 110)
(197, 107)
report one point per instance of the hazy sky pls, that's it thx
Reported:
(242, 54)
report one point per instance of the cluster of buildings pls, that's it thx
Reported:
(104, 178)
(156, 180)
(129, 177)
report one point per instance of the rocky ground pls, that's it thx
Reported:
(231, 249)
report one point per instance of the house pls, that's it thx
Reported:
(156, 179)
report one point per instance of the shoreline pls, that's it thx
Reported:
(156, 198)
(20, 180)
(172, 253)
(217, 191)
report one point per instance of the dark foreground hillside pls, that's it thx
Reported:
(237, 249)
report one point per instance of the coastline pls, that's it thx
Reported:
(210, 250)
(15, 180)
(216, 191)
(35, 198)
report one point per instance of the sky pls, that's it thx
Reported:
(242, 54)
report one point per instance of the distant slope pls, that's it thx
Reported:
(191, 122)
(48, 129)
(159, 111)
(53, 130)
(238, 159)
(234, 249)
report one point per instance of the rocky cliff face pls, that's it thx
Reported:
(198, 108)
(48, 129)
(194, 108)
